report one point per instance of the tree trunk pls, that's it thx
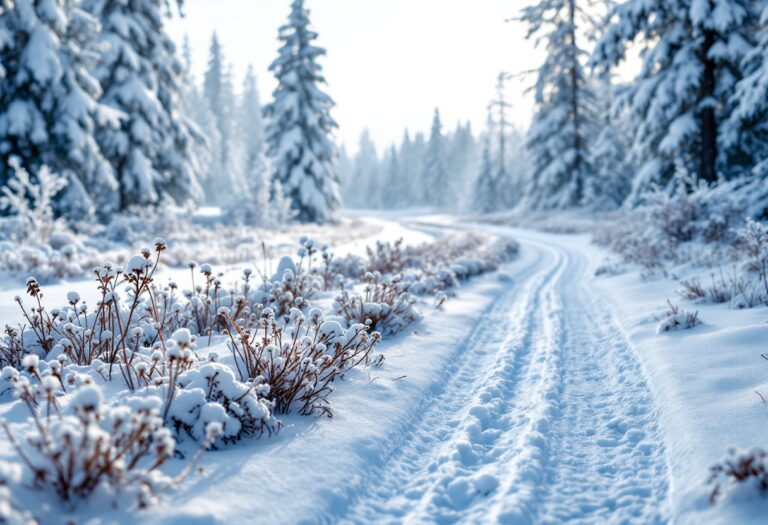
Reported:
(574, 74)
(708, 153)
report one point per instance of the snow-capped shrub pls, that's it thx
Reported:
(386, 257)
(94, 448)
(385, 305)
(754, 243)
(31, 239)
(430, 268)
(739, 467)
(11, 348)
(300, 360)
(119, 337)
(739, 289)
(30, 202)
(212, 394)
(675, 319)
(335, 269)
(661, 230)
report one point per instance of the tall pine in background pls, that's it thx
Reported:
(49, 107)
(563, 123)
(485, 193)
(611, 180)
(300, 127)
(153, 150)
(256, 168)
(435, 190)
(218, 89)
(678, 103)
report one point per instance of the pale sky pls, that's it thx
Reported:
(389, 62)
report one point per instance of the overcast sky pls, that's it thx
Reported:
(389, 62)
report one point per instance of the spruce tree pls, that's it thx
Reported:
(558, 139)
(300, 127)
(366, 174)
(410, 171)
(498, 124)
(611, 181)
(392, 192)
(250, 125)
(744, 134)
(680, 99)
(484, 196)
(345, 167)
(435, 178)
(153, 150)
(225, 173)
(49, 107)
(462, 159)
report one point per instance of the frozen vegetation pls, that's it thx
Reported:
(561, 322)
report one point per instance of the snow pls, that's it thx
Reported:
(540, 393)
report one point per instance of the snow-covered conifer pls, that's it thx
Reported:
(410, 169)
(153, 150)
(680, 99)
(744, 134)
(257, 170)
(366, 181)
(197, 108)
(484, 193)
(462, 162)
(250, 125)
(435, 176)
(392, 191)
(300, 127)
(345, 166)
(558, 138)
(224, 178)
(611, 180)
(49, 105)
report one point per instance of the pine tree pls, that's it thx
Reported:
(345, 167)
(257, 169)
(49, 105)
(201, 121)
(612, 179)
(498, 123)
(196, 106)
(419, 155)
(225, 174)
(462, 158)
(410, 171)
(680, 99)
(153, 151)
(300, 127)
(744, 135)
(391, 192)
(484, 192)
(250, 125)
(366, 174)
(558, 138)
(435, 177)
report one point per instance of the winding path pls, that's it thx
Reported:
(544, 418)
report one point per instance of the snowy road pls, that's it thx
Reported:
(519, 402)
(545, 417)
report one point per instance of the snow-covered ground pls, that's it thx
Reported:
(540, 394)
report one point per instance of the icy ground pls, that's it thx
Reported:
(541, 394)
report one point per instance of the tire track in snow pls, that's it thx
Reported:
(599, 457)
(608, 462)
(552, 423)
(442, 468)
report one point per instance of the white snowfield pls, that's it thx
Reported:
(541, 394)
